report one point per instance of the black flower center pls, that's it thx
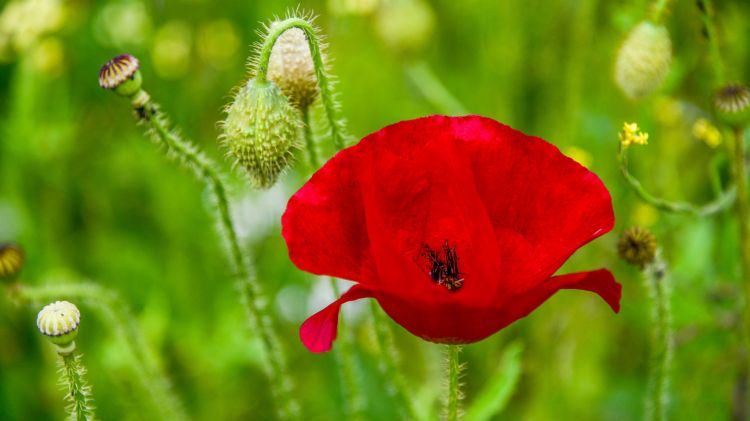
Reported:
(441, 265)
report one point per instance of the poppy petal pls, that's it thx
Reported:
(319, 331)
(598, 281)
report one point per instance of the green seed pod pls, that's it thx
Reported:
(643, 60)
(637, 246)
(59, 322)
(121, 74)
(11, 260)
(732, 105)
(261, 131)
(291, 68)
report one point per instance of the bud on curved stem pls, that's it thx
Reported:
(338, 134)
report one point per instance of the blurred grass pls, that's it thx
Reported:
(89, 197)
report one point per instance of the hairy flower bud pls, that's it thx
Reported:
(637, 246)
(261, 131)
(732, 104)
(11, 260)
(643, 60)
(59, 322)
(291, 68)
(122, 75)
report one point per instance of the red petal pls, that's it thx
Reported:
(319, 331)
(597, 281)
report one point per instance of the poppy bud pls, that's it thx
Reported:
(59, 322)
(121, 74)
(643, 60)
(405, 25)
(261, 131)
(732, 104)
(637, 246)
(291, 67)
(11, 260)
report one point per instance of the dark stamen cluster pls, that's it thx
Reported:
(443, 266)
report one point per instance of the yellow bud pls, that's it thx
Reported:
(631, 134)
(261, 131)
(291, 68)
(643, 60)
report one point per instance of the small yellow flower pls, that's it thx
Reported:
(707, 132)
(631, 134)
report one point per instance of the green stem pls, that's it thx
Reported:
(659, 10)
(723, 201)
(454, 392)
(707, 15)
(72, 376)
(338, 134)
(312, 152)
(389, 364)
(743, 212)
(432, 89)
(657, 284)
(113, 311)
(248, 285)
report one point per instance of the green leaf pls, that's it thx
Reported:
(499, 388)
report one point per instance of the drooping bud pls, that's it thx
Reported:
(291, 68)
(405, 26)
(121, 74)
(643, 60)
(59, 322)
(261, 131)
(637, 246)
(11, 260)
(732, 104)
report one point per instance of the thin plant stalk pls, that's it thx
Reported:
(115, 314)
(659, 10)
(454, 385)
(743, 212)
(432, 89)
(706, 8)
(248, 285)
(78, 392)
(662, 341)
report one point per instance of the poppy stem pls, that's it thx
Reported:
(114, 313)
(454, 386)
(723, 201)
(151, 116)
(78, 392)
(312, 152)
(335, 125)
(659, 289)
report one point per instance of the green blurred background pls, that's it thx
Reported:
(88, 197)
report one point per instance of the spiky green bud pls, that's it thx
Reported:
(122, 75)
(261, 131)
(643, 60)
(291, 68)
(732, 105)
(59, 323)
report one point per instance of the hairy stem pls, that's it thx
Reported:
(115, 314)
(312, 152)
(432, 89)
(454, 392)
(78, 392)
(205, 169)
(338, 134)
(743, 212)
(659, 289)
(723, 201)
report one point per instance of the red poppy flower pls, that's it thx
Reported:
(455, 225)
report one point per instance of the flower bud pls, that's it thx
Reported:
(637, 246)
(732, 105)
(121, 74)
(261, 131)
(59, 323)
(11, 260)
(291, 68)
(643, 60)
(405, 25)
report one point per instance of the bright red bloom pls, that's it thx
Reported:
(454, 224)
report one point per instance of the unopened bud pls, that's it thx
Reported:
(121, 74)
(643, 60)
(732, 105)
(59, 323)
(291, 68)
(261, 131)
(637, 246)
(11, 260)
